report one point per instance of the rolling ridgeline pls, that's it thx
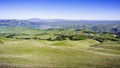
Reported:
(35, 43)
(91, 25)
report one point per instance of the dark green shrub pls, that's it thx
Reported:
(78, 37)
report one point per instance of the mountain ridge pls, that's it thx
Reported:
(95, 25)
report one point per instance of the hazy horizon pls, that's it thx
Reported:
(60, 9)
(59, 19)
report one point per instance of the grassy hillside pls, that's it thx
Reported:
(1, 41)
(27, 47)
(86, 53)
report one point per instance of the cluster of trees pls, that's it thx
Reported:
(73, 37)
(64, 34)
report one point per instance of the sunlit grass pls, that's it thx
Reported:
(65, 53)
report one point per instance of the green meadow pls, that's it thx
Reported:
(68, 49)
(67, 53)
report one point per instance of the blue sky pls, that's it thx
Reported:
(60, 9)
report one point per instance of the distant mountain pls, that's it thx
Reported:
(45, 20)
(35, 20)
(52, 22)
(98, 26)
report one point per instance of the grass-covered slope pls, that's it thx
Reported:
(109, 47)
(67, 53)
